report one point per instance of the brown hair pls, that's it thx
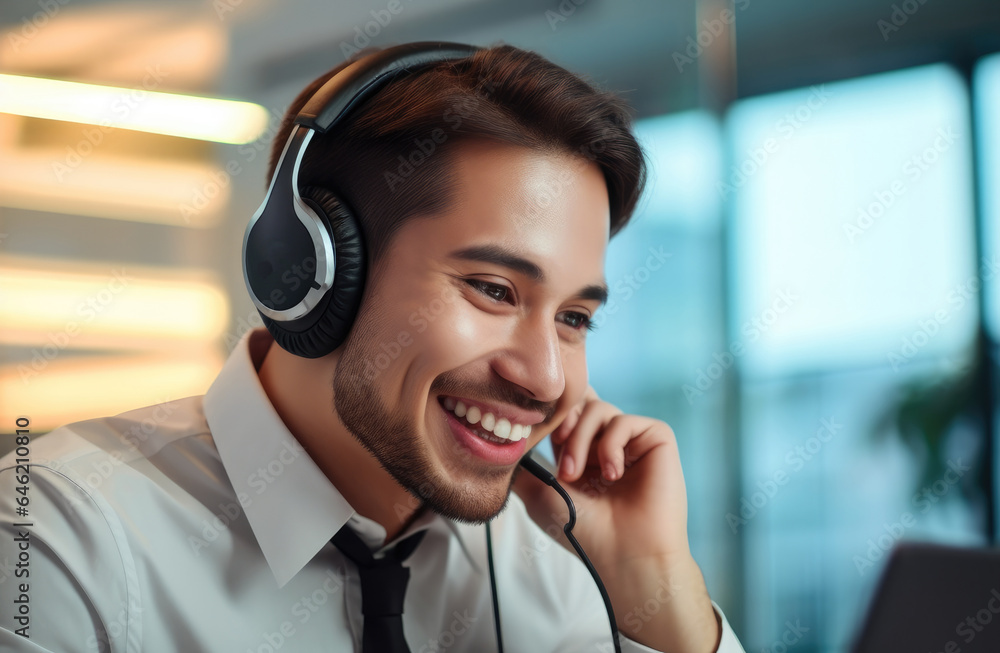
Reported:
(389, 161)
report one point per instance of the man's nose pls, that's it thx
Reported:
(533, 360)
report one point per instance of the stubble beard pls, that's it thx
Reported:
(397, 442)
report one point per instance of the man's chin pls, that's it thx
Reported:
(468, 502)
(466, 514)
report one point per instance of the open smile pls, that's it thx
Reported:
(492, 439)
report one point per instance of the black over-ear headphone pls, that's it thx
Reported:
(303, 252)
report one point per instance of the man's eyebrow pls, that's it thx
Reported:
(598, 292)
(501, 256)
(504, 257)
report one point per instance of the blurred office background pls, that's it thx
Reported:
(809, 292)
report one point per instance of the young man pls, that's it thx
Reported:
(205, 524)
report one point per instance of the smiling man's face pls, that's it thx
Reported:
(478, 315)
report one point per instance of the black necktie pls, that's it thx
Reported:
(383, 587)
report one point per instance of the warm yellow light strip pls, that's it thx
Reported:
(72, 388)
(56, 307)
(188, 116)
(187, 194)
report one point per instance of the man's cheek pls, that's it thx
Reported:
(445, 345)
(464, 333)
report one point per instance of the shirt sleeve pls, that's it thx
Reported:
(64, 558)
(728, 643)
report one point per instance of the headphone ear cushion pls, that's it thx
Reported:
(335, 313)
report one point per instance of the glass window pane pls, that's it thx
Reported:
(855, 278)
(853, 222)
(987, 92)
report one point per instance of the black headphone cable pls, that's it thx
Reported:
(546, 477)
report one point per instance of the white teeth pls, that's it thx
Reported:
(473, 415)
(488, 422)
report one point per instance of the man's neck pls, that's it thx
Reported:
(301, 391)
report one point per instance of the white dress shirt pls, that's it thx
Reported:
(202, 525)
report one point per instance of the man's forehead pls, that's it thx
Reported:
(543, 214)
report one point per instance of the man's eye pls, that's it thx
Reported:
(494, 291)
(578, 321)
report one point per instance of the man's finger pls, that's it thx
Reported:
(576, 450)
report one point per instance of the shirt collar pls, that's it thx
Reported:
(292, 507)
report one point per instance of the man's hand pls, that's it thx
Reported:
(624, 475)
